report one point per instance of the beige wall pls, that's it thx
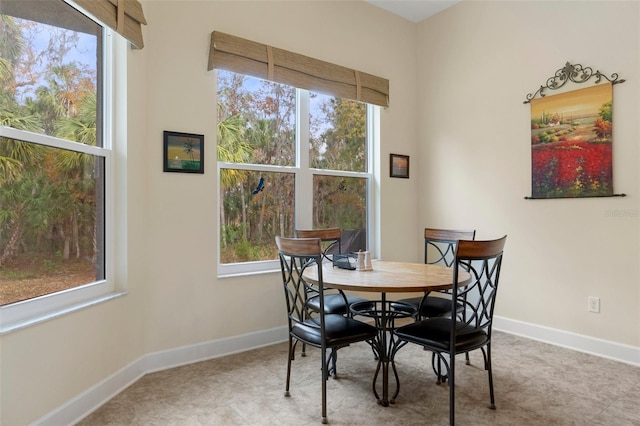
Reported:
(475, 157)
(465, 129)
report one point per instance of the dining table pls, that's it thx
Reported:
(386, 277)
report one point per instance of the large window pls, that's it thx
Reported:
(288, 159)
(55, 159)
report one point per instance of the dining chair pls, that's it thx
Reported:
(439, 248)
(335, 301)
(446, 337)
(323, 330)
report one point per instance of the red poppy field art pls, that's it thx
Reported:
(571, 144)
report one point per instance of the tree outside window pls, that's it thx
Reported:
(51, 166)
(288, 159)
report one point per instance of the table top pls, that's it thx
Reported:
(388, 277)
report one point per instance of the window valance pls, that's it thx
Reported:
(243, 56)
(124, 16)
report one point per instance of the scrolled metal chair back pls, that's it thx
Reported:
(440, 244)
(330, 239)
(483, 260)
(297, 254)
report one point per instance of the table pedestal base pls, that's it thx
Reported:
(384, 313)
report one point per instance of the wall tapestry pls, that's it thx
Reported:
(572, 137)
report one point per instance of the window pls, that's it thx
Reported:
(55, 160)
(288, 159)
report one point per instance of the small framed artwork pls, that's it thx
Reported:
(399, 166)
(183, 152)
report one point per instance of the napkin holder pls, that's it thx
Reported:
(364, 261)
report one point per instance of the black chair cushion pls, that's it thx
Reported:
(340, 330)
(333, 303)
(434, 306)
(436, 332)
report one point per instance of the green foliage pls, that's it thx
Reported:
(47, 194)
(605, 111)
(190, 165)
(256, 125)
(344, 139)
(544, 137)
(243, 250)
(15, 275)
(49, 265)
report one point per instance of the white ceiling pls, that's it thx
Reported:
(414, 10)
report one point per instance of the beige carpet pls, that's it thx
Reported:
(535, 384)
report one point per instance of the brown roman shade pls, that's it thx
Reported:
(50, 12)
(124, 16)
(243, 56)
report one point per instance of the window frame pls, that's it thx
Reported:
(32, 311)
(303, 203)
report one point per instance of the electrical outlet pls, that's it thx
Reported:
(594, 304)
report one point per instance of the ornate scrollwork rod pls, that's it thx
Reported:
(575, 73)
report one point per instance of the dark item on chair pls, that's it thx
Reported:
(319, 329)
(439, 248)
(462, 333)
(336, 301)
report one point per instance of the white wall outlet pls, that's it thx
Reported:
(594, 304)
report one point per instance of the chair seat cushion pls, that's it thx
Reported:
(435, 334)
(333, 303)
(340, 330)
(433, 306)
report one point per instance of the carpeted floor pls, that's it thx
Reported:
(535, 384)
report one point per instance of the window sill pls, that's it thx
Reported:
(6, 328)
(244, 269)
(248, 273)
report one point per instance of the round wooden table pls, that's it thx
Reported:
(387, 277)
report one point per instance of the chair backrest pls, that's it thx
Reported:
(331, 238)
(483, 260)
(440, 244)
(296, 254)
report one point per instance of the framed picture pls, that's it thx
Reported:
(571, 144)
(183, 152)
(399, 166)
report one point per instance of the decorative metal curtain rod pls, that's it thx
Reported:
(575, 73)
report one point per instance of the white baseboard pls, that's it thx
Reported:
(577, 342)
(88, 401)
(84, 404)
(216, 348)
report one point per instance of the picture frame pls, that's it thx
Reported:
(572, 144)
(572, 135)
(183, 152)
(399, 166)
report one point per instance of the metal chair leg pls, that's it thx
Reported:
(289, 359)
(452, 390)
(325, 375)
(332, 363)
(488, 360)
(437, 361)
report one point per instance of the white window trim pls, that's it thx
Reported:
(303, 177)
(33, 311)
(373, 209)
